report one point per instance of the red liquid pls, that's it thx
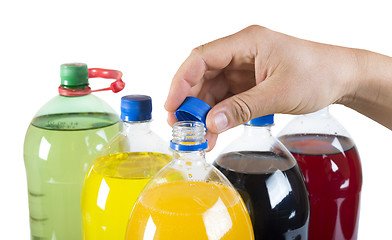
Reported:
(333, 175)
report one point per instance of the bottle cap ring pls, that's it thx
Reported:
(188, 148)
(262, 121)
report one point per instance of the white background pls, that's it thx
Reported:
(148, 41)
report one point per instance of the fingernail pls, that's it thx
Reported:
(221, 122)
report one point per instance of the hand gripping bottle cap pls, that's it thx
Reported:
(136, 108)
(193, 109)
(262, 121)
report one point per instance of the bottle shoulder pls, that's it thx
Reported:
(183, 169)
(75, 113)
(137, 137)
(254, 154)
(316, 133)
(255, 142)
(82, 104)
(131, 164)
(316, 123)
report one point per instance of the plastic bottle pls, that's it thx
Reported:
(63, 139)
(116, 179)
(330, 163)
(189, 198)
(269, 180)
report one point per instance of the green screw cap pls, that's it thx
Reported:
(74, 75)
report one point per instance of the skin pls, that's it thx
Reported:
(258, 71)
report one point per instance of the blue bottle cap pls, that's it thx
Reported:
(135, 108)
(193, 109)
(262, 121)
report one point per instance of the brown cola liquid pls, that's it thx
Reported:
(273, 191)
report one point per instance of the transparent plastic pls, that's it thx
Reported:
(331, 166)
(270, 183)
(189, 198)
(63, 139)
(116, 179)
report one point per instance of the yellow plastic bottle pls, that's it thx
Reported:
(116, 179)
(189, 198)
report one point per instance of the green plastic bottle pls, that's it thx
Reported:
(63, 139)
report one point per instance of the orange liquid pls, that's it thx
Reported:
(189, 210)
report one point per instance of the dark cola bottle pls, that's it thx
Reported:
(269, 181)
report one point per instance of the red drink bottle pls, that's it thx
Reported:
(331, 166)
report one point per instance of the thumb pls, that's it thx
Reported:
(261, 100)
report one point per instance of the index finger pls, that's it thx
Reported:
(215, 55)
(190, 74)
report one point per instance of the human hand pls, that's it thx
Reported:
(256, 72)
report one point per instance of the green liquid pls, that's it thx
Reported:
(58, 151)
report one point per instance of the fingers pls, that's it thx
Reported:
(235, 51)
(206, 74)
(211, 138)
(214, 90)
(171, 118)
(263, 99)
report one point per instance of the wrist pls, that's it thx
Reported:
(373, 82)
(359, 78)
(373, 86)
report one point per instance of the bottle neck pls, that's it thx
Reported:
(188, 133)
(188, 141)
(260, 131)
(137, 127)
(74, 91)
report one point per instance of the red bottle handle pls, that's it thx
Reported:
(115, 86)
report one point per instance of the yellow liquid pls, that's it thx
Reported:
(189, 210)
(111, 188)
